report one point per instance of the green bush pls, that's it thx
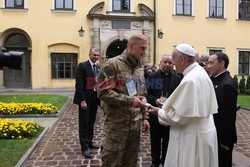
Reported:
(242, 85)
(236, 82)
(247, 91)
(248, 82)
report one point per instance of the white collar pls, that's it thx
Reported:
(91, 63)
(189, 68)
(220, 73)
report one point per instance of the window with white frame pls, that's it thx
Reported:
(212, 51)
(14, 4)
(216, 8)
(121, 5)
(63, 65)
(244, 9)
(64, 4)
(244, 62)
(183, 7)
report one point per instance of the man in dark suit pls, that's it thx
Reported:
(160, 85)
(226, 94)
(86, 97)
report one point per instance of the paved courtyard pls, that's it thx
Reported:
(60, 146)
(243, 132)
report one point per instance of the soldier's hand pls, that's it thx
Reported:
(137, 103)
(146, 126)
(84, 105)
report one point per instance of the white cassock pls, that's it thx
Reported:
(189, 112)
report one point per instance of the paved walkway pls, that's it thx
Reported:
(243, 132)
(60, 146)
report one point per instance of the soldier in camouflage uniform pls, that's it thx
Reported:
(121, 90)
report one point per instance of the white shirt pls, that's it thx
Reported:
(92, 63)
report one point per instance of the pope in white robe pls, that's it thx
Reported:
(189, 112)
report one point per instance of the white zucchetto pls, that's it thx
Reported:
(186, 49)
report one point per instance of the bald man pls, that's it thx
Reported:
(169, 80)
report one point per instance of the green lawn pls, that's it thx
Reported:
(244, 101)
(56, 100)
(11, 151)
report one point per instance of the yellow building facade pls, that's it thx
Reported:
(48, 33)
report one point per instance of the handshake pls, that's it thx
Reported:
(141, 102)
(151, 109)
(148, 106)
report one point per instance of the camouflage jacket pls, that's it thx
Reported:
(115, 100)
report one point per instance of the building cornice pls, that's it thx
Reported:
(97, 8)
(95, 13)
(146, 10)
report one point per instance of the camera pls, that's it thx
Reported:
(11, 59)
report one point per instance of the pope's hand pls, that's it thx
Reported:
(153, 110)
(158, 102)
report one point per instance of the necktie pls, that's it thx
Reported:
(94, 70)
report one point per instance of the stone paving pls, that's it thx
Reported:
(60, 146)
(243, 132)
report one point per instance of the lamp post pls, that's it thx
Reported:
(81, 32)
(160, 34)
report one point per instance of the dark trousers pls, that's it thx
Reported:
(86, 123)
(225, 157)
(159, 137)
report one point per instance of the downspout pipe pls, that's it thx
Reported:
(154, 56)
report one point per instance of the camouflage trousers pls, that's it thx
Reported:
(120, 149)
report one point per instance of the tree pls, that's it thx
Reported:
(242, 85)
(248, 86)
(248, 82)
(236, 82)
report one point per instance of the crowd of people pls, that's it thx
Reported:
(188, 104)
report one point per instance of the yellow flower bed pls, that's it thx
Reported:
(17, 129)
(27, 108)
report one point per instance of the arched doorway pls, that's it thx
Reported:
(18, 78)
(116, 48)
